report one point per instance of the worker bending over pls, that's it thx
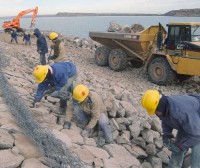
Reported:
(59, 53)
(180, 112)
(55, 80)
(90, 110)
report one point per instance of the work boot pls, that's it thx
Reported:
(61, 116)
(60, 120)
(62, 112)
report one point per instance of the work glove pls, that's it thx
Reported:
(87, 132)
(67, 125)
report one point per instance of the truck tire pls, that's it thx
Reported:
(101, 56)
(117, 60)
(160, 72)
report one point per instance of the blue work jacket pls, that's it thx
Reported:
(61, 72)
(183, 113)
(41, 42)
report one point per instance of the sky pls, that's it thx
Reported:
(13, 7)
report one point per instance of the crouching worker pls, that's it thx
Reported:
(180, 112)
(89, 111)
(55, 80)
(58, 47)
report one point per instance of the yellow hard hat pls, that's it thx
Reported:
(40, 73)
(150, 101)
(80, 92)
(53, 35)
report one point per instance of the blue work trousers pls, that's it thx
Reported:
(177, 158)
(42, 59)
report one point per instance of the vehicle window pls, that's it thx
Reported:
(195, 30)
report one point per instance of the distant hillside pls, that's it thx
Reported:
(184, 13)
(65, 14)
(179, 13)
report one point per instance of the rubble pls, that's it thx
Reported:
(137, 136)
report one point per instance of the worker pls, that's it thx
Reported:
(14, 36)
(180, 112)
(27, 38)
(42, 48)
(59, 54)
(89, 110)
(55, 80)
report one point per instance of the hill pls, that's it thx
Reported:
(184, 13)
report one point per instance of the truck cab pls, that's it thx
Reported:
(183, 34)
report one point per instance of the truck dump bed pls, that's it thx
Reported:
(132, 42)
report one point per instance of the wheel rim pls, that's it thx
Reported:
(114, 60)
(158, 72)
(99, 56)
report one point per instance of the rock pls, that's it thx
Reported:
(114, 27)
(89, 141)
(97, 152)
(9, 160)
(156, 162)
(116, 152)
(139, 141)
(85, 155)
(74, 136)
(112, 162)
(163, 156)
(136, 151)
(63, 137)
(26, 147)
(114, 109)
(146, 165)
(156, 124)
(6, 140)
(129, 109)
(151, 149)
(136, 28)
(98, 162)
(135, 130)
(32, 163)
(126, 29)
(124, 138)
(114, 124)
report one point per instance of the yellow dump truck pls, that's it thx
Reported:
(166, 56)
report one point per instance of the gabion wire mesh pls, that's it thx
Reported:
(55, 151)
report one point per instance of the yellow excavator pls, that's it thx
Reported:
(15, 23)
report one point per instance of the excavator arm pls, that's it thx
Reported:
(15, 23)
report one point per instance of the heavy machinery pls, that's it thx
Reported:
(15, 23)
(166, 56)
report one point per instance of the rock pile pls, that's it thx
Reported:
(137, 137)
(115, 27)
